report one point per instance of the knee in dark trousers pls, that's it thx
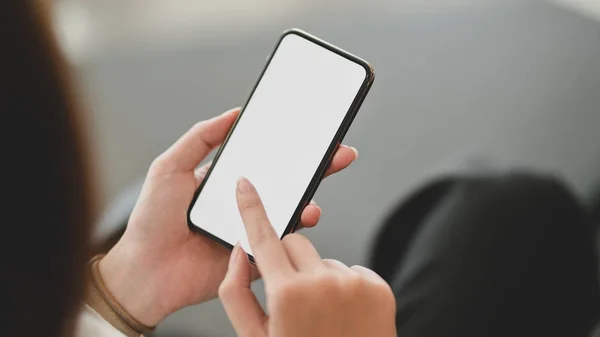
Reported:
(497, 256)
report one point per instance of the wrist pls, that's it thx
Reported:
(130, 281)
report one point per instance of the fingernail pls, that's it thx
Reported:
(355, 152)
(243, 185)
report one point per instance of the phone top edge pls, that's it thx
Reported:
(340, 51)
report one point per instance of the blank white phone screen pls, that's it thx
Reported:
(281, 137)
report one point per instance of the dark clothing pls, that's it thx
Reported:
(509, 255)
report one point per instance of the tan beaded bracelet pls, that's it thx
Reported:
(103, 302)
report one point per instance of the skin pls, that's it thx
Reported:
(306, 296)
(159, 266)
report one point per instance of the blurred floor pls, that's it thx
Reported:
(513, 82)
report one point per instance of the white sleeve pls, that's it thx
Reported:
(91, 324)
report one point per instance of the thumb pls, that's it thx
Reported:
(189, 150)
(245, 313)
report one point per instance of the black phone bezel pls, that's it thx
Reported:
(325, 162)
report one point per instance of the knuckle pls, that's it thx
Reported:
(384, 296)
(225, 289)
(260, 236)
(199, 126)
(250, 203)
(330, 283)
(284, 294)
(158, 164)
(335, 288)
(353, 285)
(386, 291)
(356, 281)
(203, 128)
(163, 164)
(294, 240)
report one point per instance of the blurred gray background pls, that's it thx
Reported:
(501, 83)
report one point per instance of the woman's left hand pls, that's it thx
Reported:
(159, 265)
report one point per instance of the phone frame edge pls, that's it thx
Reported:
(327, 158)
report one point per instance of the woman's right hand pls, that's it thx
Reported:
(306, 296)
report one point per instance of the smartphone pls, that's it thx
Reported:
(284, 138)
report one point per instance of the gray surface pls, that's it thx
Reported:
(518, 84)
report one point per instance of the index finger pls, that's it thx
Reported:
(269, 253)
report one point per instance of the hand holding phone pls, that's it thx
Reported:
(284, 137)
(306, 296)
(159, 266)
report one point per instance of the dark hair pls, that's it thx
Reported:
(46, 190)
